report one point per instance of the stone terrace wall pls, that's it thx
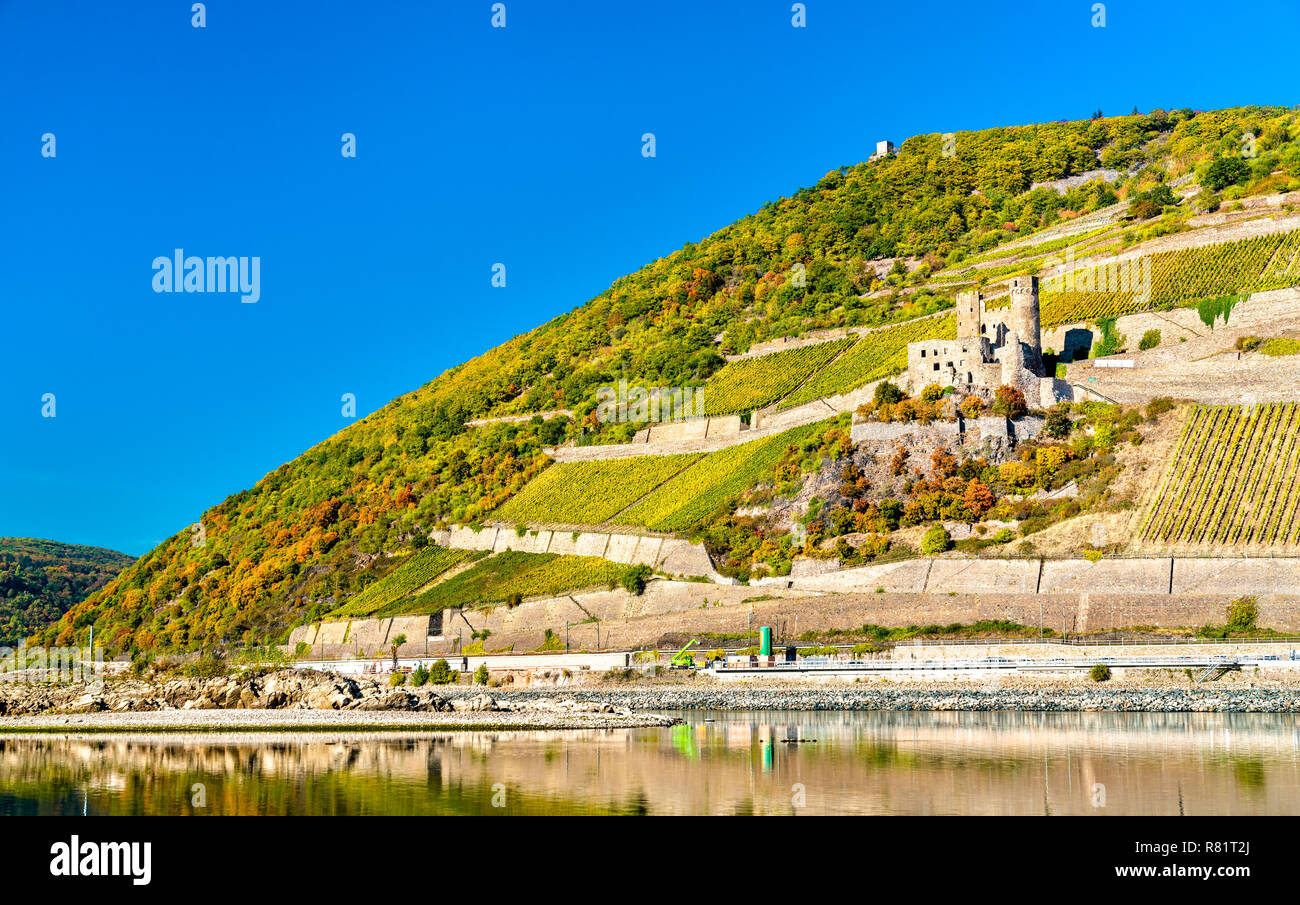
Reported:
(1128, 577)
(667, 554)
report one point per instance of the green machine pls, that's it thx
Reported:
(683, 660)
(765, 641)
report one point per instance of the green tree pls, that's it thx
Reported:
(1225, 171)
(888, 393)
(936, 540)
(441, 673)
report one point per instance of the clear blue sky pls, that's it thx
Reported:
(475, 145)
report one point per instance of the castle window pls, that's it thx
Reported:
(936, 365)
(923, 353)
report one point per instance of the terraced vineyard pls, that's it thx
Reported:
(752, 383)
(693, 494)
(877, 354)
(498, 578)
(1168, 279)
(1232, 480)
(589, 493)
(418, 570)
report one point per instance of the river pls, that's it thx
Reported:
(718, 763)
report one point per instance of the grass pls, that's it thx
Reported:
(693, 494)
(755, 382)
(502, 577)
(415, 572)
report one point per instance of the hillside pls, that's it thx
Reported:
(40, 580)
(864, 257)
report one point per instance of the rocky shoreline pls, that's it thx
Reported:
(293, 699)
(302, 699)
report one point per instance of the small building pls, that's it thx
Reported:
(883, 149)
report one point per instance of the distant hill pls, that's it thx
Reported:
(884, 242)
(41, 579)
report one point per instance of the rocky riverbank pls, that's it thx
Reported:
(299, 698)
(1038, 697)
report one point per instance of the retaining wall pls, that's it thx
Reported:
(1131, 577)
(667, 554)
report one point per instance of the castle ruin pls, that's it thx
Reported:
(992, 349)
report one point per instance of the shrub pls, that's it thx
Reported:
(1281, 347)
(396, 679)
(441, 673)
(1150, 340)
(1158, 406)
(1002, 537)
(1009, 402)
(1058, 424)
(936, 540)
(1100, 672)
(1111, 341)
(208, 666)
(634, 579)
(1144, 209)
(1225, 171)
(481, 674)
(419, 676)
(1243, 613)
(1247, 343)
(887, 393)
(932, 393)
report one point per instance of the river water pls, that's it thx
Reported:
(719, 763)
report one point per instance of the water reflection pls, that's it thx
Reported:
(719, 763)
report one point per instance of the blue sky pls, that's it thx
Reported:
(475, 145)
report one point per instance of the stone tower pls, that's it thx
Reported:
(1024, 320)
(969, 304)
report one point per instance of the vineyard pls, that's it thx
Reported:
(693, 494)
(589, 493)
(1232, 479)
(755, 382)
(1168, 279)
(877, 354)
(501, 577)
(417, 571)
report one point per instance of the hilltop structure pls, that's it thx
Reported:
(990, 350)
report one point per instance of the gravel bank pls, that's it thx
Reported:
(946, 697)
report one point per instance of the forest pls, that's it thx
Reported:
(40, 580)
